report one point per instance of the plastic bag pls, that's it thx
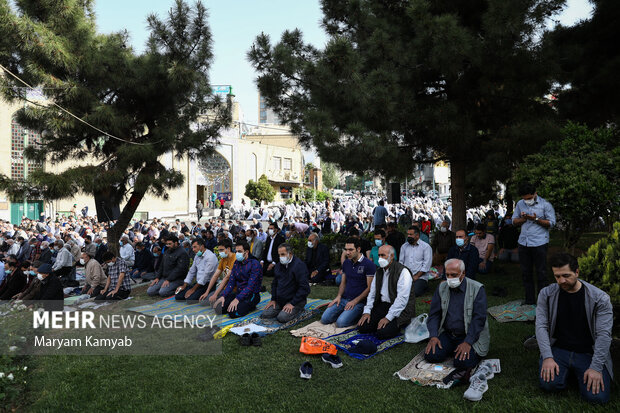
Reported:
(417, 330)
(311, 345)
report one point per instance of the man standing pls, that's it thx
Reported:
(242, 293)
(256, 245)
(416, 255)
(199, 210)
(535, 216)
(270, 252)
(202, 269)
(457, 321)
(289, 289)
(465, 252)
(317, 259)
(379, 215)
(574, 320)
(357, 275)
(391, 299)
(174, 266)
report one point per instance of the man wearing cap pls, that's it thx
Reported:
(457, 321)
(391, 300)
(118, 285)
(95, 277)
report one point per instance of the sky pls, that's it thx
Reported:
(234, 26)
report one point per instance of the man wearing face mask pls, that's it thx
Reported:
(270, 252)
(256, 245)
(416, 255)
(465, 252)
(202, 269)
(118, 284)
(373, 254)
(126, 252)
(46, 253)
(457, 321)
(289, 289)
(246, 277)
(535, 216)
(89, 247)
(443, 241)
(95, 277)
(15, 280)
(391, 299)
(317, 259)
(51, 287)
(225, 265)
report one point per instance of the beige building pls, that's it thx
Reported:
(241, 155)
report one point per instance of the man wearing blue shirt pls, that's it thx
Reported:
(380, 214)
(357, 274)
(535, 216)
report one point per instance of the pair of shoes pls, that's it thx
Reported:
(332, 360)
(479, 382)
(305, 371)
(250, 340)
(531, 343)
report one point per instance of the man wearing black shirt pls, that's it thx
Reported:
(573, 329)
(395, 238)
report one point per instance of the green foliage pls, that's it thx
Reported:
(472, 72)
(260, 190)
(601, 264)
(579, 175)
(147, 104)
(330, 175)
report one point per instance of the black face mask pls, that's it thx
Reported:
(411, 240)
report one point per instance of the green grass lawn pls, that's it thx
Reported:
(266, 378)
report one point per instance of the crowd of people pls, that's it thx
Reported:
(222, 263)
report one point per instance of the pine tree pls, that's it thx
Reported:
(407, 81)
(140, 106)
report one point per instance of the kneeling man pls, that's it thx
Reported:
(202, 269)
(391, 300)
(289, 288)
(573, 328)
(242, 292)
(457, 321)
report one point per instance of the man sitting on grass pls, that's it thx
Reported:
(246, 277)
(202, 269)
(574, 320)
(227, 260)
(118, 285)
(289, 289)
(174, 266)
(391, 299)
(457, 321)
(357, 275)
(95, 277)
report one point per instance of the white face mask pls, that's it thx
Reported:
(271, 233)
(529, 202)
(383, 262)
(82, 261)
(40, 277)
(310, 244)
(284, 260)
(453, 282)
(443, 229)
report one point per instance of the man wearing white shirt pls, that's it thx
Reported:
(391, 301)
(127, 252)
(202, 270)
(64, 260)
(416, 255)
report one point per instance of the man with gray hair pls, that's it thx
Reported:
(290, 287)
(126, 251)
(45, 256)
(457, 321)
(64, 260)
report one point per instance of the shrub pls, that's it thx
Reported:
(600, 266)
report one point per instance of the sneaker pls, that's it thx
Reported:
(245, 340)
(333, 361)
(485, 370)
(477, 387)
(256, 340)
(305, 371)
(531, 343)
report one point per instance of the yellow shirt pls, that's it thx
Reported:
(226, 263)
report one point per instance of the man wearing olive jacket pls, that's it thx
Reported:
(172, 270)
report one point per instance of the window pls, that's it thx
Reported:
(20, 138)
(288, 163)
(277, 163)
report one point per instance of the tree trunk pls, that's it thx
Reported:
(457, 190)
(115, 233)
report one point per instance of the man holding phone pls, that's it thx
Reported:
(535, 216)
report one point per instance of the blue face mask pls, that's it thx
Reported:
(199, 254)
(460, 242)
(32, 273)
(155, 254)
(378, 242)
(239, 256)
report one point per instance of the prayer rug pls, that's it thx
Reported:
(513, 311)
(319, 330)
(344, 342)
